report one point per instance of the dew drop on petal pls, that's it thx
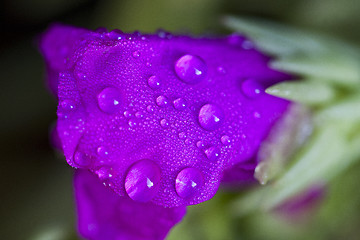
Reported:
(182, 135)
(150, 108)
(188, 182)
(221, 70)
(104, 173)
(142, 180)
(191, 69)
(162, 101)
(132, 123)
(212, 153)
(154, 82)
(66, 107)
(200, 144)
(102, 151)
(127, 114)
(179, 104)
(225, 140)
(136, 54)
(109, 100)
(81, 159)
(251, 88)
(164, 123)
(210, 117)
(139, 114)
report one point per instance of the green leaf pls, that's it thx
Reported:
(310, 92)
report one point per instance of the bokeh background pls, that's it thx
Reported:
(36, 191)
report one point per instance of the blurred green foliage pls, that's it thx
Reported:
(36, 201)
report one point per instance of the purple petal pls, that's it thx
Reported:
(103, 215)
(302, 206)
(175, 101)
(57, 46)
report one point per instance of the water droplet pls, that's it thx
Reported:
(212, 153)
(150, 108)
(81, 159)
(236, 39)
(136, 54)
(142, 181)
(139, 115)
(247, 44)
(104, 173)
(191, 69)
(187, 141)
(252, 88)
(225, 140)
(221, 70)
(109, 100)
(115, 34)
(66, 107)
(127, 114)
(210, 117)
(188, 182)
(257, 115)
(164, 123)
(200, 144)
(132, 123)
(179, 104)
(154, 82)
(102, 151)
(162, 101)
(182, 135)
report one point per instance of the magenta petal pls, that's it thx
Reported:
(103, 215)
(57, 46)
(179, 102)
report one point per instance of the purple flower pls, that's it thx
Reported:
(160, 119)
(102, 214)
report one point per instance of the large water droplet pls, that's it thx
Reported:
(154, 82)
(162, 101)
(188, 182)
(179, 104)
(142, 181)
(191, 69)
(109, 100)
(251, 88)
(212, 153)
(81, 159)
(210, 117)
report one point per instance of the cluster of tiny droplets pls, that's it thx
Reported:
(143, 178)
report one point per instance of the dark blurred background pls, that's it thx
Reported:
(36, 192)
